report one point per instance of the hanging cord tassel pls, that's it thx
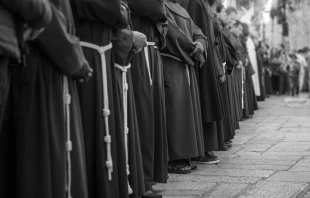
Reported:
(105, 111)
(67, 102)
(188, 75)
(147, 58)
(125, 109)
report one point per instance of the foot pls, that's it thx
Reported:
(151, 194)
(206, 160)
(211, 155)
(228, 145)
(179, 168)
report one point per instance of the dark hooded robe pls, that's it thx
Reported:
(47, 121)
(148, 17)
(229, 131)
(210, 94)
(237, 77)
(231, 60)
(102, 124)
(184, 126)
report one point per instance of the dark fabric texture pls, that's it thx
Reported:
(184, 126)
(207, 77)
(5, 81)
(36, 13)
(150, 103)
(122, 53)
(38, 123)
(143, 95)
(95, 21)
(183, 111)
(9, 46)
(153, 9)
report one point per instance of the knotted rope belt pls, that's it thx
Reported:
(124, 70)
(105, 111)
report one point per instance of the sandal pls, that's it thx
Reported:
(193, 166)
(179, 168)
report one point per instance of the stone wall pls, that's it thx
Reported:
(299, 24)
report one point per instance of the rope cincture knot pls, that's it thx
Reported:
(67, 99)
(107, 139)
(106, 112)
(69, 146)
(109, 164)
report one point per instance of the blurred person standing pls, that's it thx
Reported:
(294, 68)
(303, 66)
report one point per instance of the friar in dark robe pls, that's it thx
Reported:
(101, 104)
(148, 17)
(125, 42)
(209, 85)
(230, 55)
(250, 96)
(229, 131)
(43, 113)
(236, 32)
(186, 45)
(261, 71)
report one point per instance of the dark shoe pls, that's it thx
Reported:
(179, 168)
(151, 194)
(228, 145)
(211, 155)
(206, 160)
(194, 167)
(224, 149)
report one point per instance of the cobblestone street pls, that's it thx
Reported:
(270, 158)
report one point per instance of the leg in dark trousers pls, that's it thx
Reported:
(294, 85)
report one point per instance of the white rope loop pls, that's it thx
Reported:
(124, 70)
(105, 111)
(68, 144)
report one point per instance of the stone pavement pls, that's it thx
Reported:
(270, 158)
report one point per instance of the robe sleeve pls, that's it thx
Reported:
(106, 11)
(198, 35)
(162, 27)
(122, 46)
(62, 48)
(178, 43)
(37, 13)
